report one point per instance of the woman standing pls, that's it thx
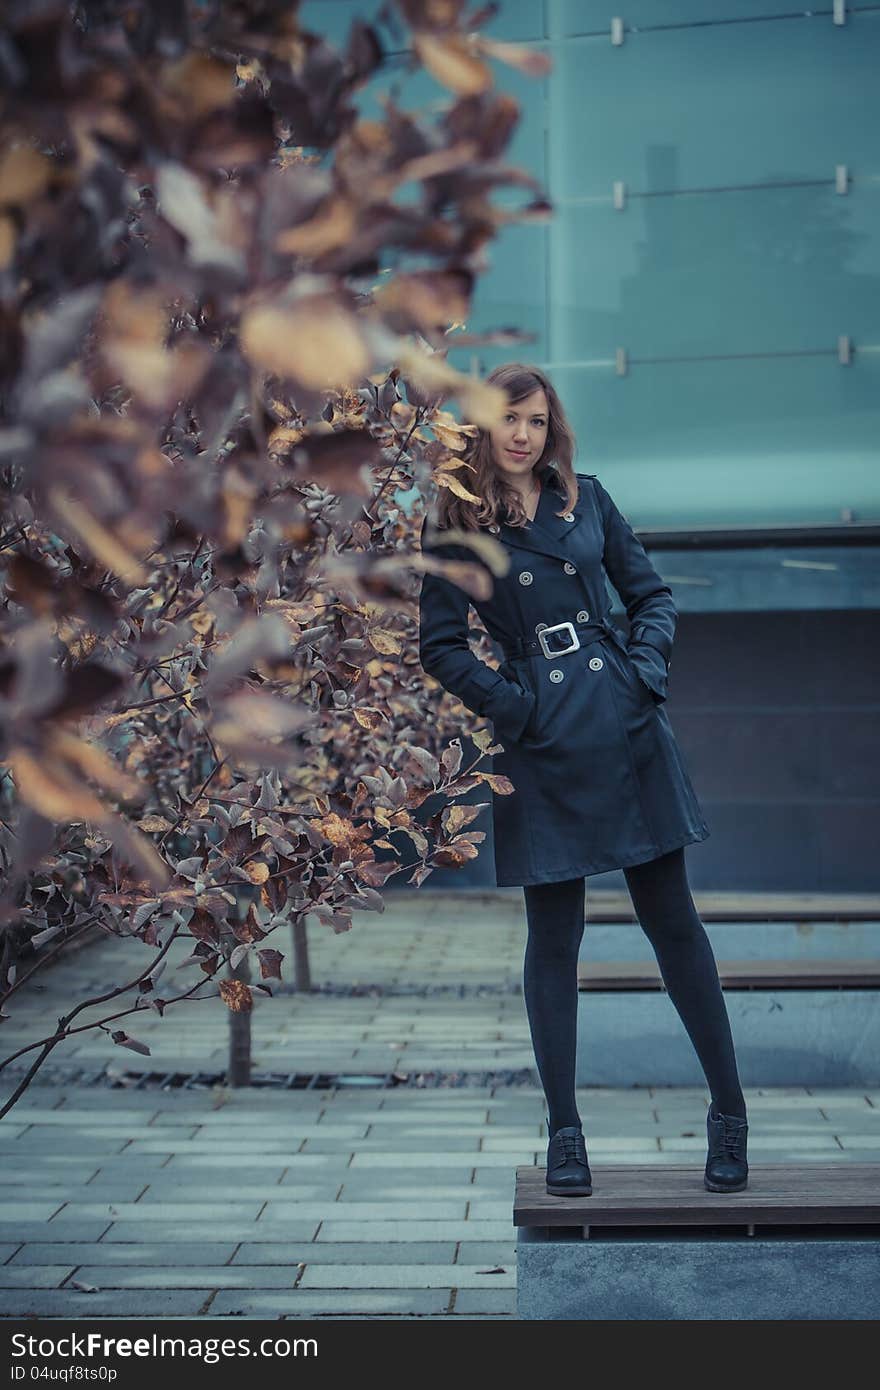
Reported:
(599, 780)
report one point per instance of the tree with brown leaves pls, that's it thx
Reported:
(224, 359)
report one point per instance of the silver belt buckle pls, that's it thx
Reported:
(563, 651)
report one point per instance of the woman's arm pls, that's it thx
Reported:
(648, 600)
(446, 655)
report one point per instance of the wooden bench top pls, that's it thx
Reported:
(615, 905)
(737, 974)
(812, 1194)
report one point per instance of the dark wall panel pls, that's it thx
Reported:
(778, 718)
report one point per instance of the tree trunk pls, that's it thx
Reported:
(302, 975)
(239, 1070)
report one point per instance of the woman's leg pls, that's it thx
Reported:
(555, 915)
(665, 908)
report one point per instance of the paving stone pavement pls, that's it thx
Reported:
(345, 1201)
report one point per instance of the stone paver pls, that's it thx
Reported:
(351, 1202)
(330, 1303)
(45, 1252)
(349, 1253)
(34, 1276)
(187, 1232)
(111, 1303)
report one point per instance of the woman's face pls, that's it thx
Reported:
(518, 440)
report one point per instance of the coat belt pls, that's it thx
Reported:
(591, 631)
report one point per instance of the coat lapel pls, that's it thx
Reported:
(548, 534)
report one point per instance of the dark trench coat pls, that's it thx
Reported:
(599, 780)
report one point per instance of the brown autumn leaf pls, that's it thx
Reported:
(122, 1039)
(533, 62)
(369, 719)
(249, 930)
(203, 926)
(137, 850)
(73, 515)
(54, 793)
(338, 458)
(336, 829)
(454, 818)
(237, 996)
(302, 613)
(450, 432)
(283, 438)
(486, 548)
(200, 83)
(86, 686)
(131, 314)
(388, 643)
(24, 175)
(374, 875)
(502, 785)
(256, 872)
(453, 856)
(316, 340)
(93, 762)
(332, 225)
(452, 61)
(430, 301)
(158, 377)
(7, 241)
(473, 579)
(449, 480)
(483, 403)
(428, 166)
(270, 963)
(201, 621)
(262, 716)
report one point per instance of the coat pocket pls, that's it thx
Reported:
(510, 707)
(650, 668)
(525, 727)
(521, 678)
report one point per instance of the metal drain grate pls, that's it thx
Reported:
(355, 989)
(281, 1081)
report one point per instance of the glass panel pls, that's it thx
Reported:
(735, 443)
(418, 92)
(594, 16)
(714, 105)
(766, 270)
(510, 294)
(776, 578)
(333, 18)
(518, 21)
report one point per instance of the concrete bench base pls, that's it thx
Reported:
(655, 1277)
(796, 1037)
(651, 1243)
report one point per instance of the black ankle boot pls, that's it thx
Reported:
(568, 1172)
(727, 1168)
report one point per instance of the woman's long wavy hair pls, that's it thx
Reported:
(498, 499)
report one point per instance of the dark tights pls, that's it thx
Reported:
(665, 909)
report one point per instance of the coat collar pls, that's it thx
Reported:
(549, 533)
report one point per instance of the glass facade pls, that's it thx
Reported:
(706, 294)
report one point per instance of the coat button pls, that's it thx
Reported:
(569, 567)
(526, 577)
(567, 516)
(556, 674)
(583, 616)
(596, 663)
(495, 528)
